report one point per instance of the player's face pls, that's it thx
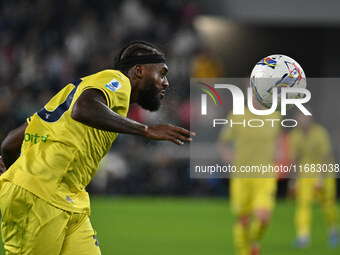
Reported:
(155, 83)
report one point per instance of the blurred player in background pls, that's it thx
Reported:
(252, 199)
(206, 65)
(310, 144)
(44, 205)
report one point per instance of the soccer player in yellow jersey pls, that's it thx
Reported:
(310, 144)
(53, 157)
(252, 199)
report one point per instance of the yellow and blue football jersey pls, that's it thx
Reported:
(253, 146)
(60, 156)
(311, 147)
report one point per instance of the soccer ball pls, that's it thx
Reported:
(276, 71)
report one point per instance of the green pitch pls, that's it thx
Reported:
(178, 226)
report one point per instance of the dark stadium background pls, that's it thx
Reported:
(46, 44)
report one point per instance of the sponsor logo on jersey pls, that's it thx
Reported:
(35, 138)
(113, 85)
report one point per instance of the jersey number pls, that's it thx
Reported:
(55, 115)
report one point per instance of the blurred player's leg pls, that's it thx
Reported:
(80, 237)
(263, 204)
(29, 225)
(240, 191)
(305, 192)
(258, 227)
(241, 235)
(328, 201)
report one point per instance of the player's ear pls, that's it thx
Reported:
(138, 69)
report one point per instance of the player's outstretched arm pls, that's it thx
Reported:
(11, 146)
(169, 132)
(91, 109)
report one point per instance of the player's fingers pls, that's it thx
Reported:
(174, 140)
(180, 136)
(184, 131)
(183, 138)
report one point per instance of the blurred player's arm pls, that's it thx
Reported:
(325, 149)
(226, 151)
(11, 146)
(295, 140)
(91, 109)
(225, 145)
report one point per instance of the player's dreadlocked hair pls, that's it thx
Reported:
(127, 56)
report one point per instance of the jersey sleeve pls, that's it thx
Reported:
(227, 134)
(115, 89)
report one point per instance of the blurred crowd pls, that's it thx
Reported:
(46, 44)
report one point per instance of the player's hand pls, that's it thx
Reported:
(169, 132)
(2, 166)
